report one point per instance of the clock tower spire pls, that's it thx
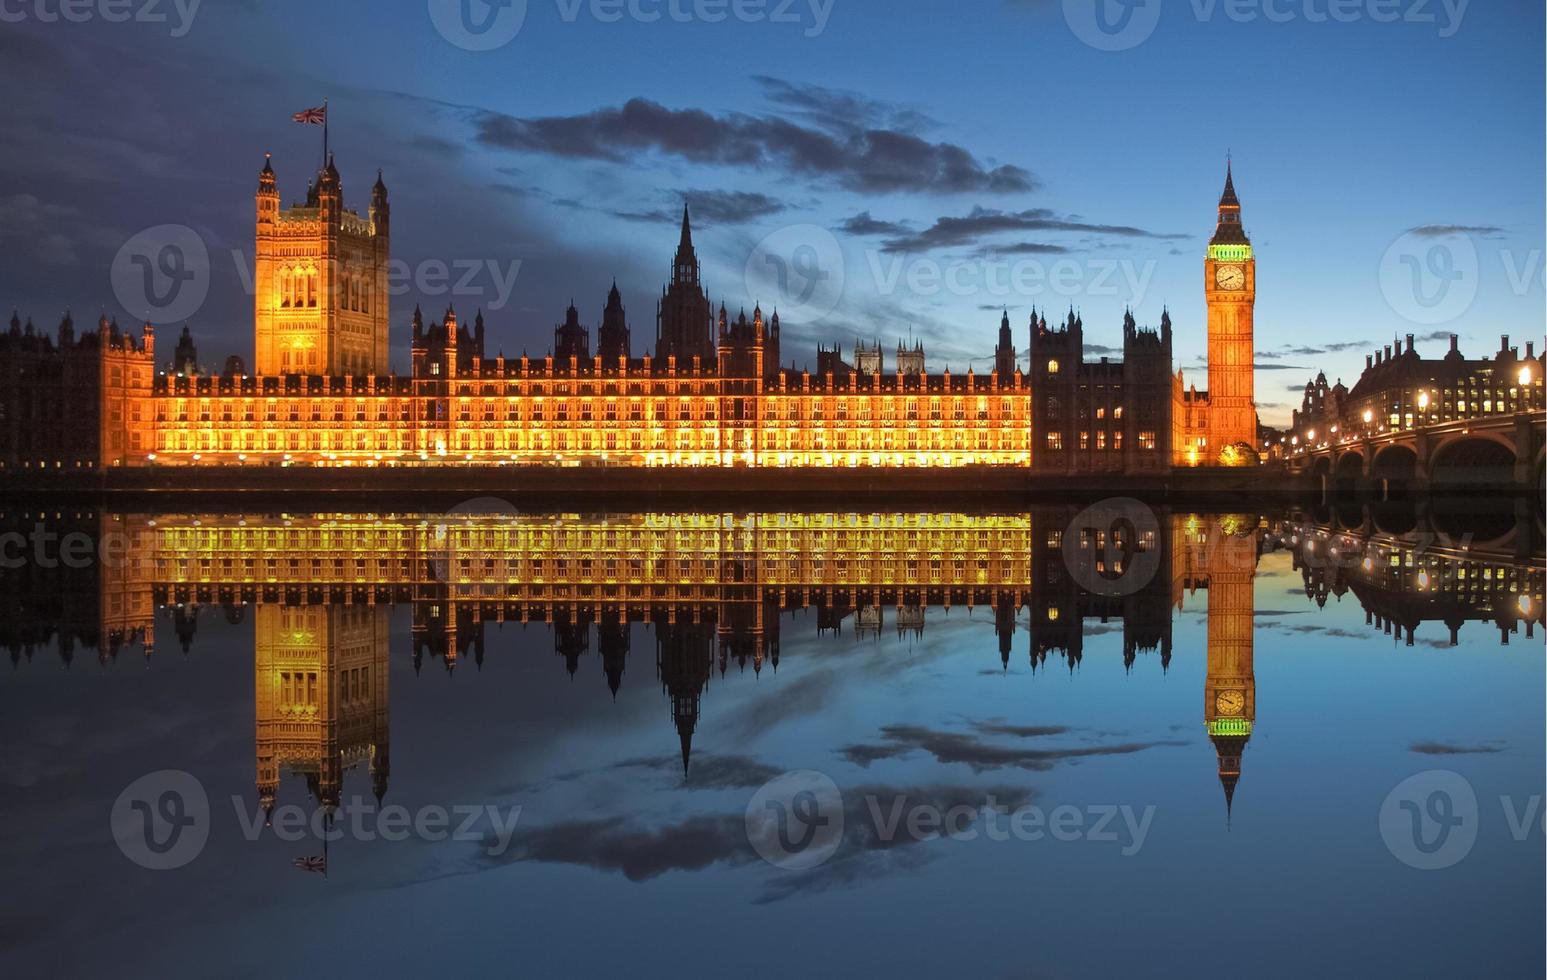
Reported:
(1230, 287)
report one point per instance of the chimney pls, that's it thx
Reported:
(1530, 350)
(1369, 361)
(1455, 344)
(1504, 343)
(1409, 343)
(1388, 352)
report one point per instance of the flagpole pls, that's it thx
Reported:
(324, 134)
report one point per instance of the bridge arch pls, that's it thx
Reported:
(1478, 459)
(1348, 472)
(1394, 468)
(1321, 470)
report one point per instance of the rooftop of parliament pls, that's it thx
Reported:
(712, 392)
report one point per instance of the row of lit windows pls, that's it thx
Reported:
(1055, 440)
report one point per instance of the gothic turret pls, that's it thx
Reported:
(1004, 353)
(612, 339)
(381, 210)
(571, 339)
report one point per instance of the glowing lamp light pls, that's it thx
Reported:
(1423, 400)
(1525, 375)
(1423, 578)
(1524, 604)
(1310, 436)
(1369, 416)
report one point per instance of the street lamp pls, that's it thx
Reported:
(1423, 401)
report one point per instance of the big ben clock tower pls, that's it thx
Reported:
(1230, 287)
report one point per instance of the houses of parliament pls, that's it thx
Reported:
(713, 392)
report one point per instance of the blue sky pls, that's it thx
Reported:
(570, 148)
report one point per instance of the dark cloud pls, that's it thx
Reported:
(1020, 248)
(840, 110)
(1021, 731)
(951, 231)
(1313, 351)
(1447, 748)
(639, 853)
(864, 224)
(1444, 231)
(950, 747)
(866, 852)
(710, 771)
(873, 160)
(1333, 631)
(711, 207)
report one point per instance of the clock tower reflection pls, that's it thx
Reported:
(1222, 557)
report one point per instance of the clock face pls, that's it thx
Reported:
(1229, 702)
(1230, 277)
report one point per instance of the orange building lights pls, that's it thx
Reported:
(713, 393)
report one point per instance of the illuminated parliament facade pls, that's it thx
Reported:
(712, 393)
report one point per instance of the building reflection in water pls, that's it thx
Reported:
(320, 694)
(712, 590)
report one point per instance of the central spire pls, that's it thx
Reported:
(685, 266)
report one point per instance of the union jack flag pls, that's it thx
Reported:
(315, 864)
(313, 117)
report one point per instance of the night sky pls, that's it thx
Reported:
(976, 138)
